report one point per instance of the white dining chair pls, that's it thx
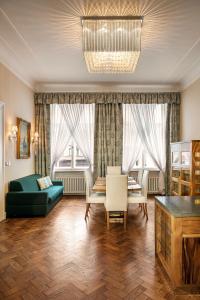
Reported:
(114, 170)
(116, 196)
(139, 181)
(141, 198)
(139, 176)
(92, 197)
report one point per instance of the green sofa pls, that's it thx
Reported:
(25, 199)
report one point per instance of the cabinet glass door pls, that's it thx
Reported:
(175, 158)
(185, 158)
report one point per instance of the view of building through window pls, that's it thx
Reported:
(72, 158)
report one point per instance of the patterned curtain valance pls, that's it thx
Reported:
(103, 98)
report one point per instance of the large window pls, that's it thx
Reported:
(72, 158)
(135, 153)
(72, 136)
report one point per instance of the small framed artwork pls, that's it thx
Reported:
(23, 138)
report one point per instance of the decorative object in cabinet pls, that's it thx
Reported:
(185, 168)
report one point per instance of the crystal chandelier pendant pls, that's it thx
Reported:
(111, 44)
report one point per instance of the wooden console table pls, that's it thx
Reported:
(177, 238)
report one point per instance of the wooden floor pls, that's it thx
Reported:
(62, 257)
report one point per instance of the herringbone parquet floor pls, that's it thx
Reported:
(62, 257)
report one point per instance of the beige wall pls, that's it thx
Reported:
(18, 99)
(190, 112)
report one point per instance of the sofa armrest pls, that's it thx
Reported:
(57, 182)
(27, 198)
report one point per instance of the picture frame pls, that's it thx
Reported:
(23, 139)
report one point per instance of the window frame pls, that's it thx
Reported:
(73, 160)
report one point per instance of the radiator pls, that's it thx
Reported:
(75, 185)
(153, 182)
(153, 185)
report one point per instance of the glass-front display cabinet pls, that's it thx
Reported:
(185, 168)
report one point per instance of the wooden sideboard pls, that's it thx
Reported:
(177, 239)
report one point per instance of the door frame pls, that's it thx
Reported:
(2, 182)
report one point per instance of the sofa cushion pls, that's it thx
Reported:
(44, 182)
(54, 192)
(27, 184)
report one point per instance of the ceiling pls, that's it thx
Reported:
(41, 41)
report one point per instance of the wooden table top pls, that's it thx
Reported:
(100, 185)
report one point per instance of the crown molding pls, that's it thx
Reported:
(28, 83)
(103, 87)
(190, 79)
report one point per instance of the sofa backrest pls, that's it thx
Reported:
(27, 183)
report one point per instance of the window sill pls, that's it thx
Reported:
(149, 169)
(70, 170)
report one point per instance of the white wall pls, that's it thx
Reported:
(1, 161)
(190, 112)
(18, 99)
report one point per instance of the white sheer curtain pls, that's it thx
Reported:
(80, 122)
(131, 140)
(150, 121)
(60, 135)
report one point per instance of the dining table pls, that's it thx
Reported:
(100, 185)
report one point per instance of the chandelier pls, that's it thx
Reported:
(111, 44)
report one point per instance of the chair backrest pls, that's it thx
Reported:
(114, 170)
(139, 177)
(88, 181)
(116, 192)
(145, 183)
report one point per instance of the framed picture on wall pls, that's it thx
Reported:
(23, 138)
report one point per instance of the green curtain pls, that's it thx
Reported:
(42, 149)
(108, 137)
(172, 135)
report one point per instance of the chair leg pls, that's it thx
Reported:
(105, 212)
(125, 219)
(146, 212)
(87, 210)
(108, 220)
(143, 207)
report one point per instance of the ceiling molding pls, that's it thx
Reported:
(103, 87)
(190, 79)
(28, 83)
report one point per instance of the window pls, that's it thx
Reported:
(71, 123)
(144, 161)
(72, 158)
(135, 154)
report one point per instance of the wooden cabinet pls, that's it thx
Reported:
(163, 237)
(177, 243)
(185, 168)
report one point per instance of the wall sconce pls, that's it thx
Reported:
(35, 138)
(12, 135)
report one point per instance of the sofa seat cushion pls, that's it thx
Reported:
(54, 192)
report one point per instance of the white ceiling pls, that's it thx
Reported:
(40, 40)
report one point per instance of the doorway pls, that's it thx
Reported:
(2, 163)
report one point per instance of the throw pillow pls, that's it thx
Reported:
(44, 182)
(48, 179)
